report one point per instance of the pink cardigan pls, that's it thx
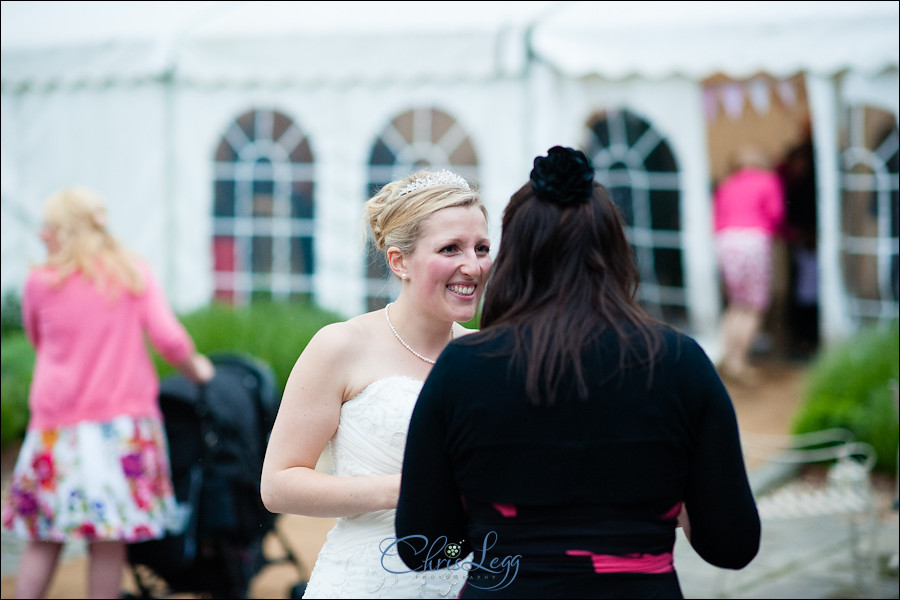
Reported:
(92, 361)
(750, 199)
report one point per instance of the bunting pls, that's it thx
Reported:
(760, 94)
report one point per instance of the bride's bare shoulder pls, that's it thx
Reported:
(459, 330)
(343, 337)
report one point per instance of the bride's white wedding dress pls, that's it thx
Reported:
(370, 440)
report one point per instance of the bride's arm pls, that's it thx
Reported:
(307, 418)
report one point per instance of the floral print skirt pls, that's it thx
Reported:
(745, 262)
(94, 482)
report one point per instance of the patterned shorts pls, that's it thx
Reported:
(745, 262)
(94, 482)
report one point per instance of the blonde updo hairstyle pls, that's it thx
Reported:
(396, 220)
(78, 217)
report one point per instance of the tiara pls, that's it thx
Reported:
(442, 177)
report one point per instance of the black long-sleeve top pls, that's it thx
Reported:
(578, 498)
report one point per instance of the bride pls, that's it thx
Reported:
(355, 384)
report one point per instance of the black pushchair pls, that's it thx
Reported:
(217, 438)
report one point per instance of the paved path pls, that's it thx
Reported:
(807, 558)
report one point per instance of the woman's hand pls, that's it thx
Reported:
(197, 368)
(684, 522)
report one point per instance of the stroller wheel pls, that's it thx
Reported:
(298, 590)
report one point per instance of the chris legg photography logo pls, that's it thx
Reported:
(441, 554)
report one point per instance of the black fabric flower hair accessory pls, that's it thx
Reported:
(564, 177)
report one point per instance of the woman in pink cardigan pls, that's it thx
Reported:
(94, 463)
(749, 212)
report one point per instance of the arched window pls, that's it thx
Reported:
(634, 162)
(869, 215)
(263, 210)
(422, 138)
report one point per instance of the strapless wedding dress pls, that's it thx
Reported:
(359, 559)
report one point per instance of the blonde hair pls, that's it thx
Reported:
(395, 218)
(751, 155)
(78, 217)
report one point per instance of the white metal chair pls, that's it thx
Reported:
(846, 496)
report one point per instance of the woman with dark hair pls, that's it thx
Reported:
(586, 431)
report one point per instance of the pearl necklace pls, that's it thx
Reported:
(407, 346)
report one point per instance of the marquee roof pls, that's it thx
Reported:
(51, 43)
(307, 43)
(697, 39)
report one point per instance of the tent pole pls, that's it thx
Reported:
(823, 106)
(170, 223)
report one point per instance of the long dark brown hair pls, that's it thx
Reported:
(566, 273)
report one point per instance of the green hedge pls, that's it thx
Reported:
(16, 364)
(849, 386)
(10, 314)
(274, 332)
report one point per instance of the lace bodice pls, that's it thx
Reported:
(371, 434)
(370, 440)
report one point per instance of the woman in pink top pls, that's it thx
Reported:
(94, 463)
(749, 212)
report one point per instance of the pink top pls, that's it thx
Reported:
(92, 361)
(750, 199)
